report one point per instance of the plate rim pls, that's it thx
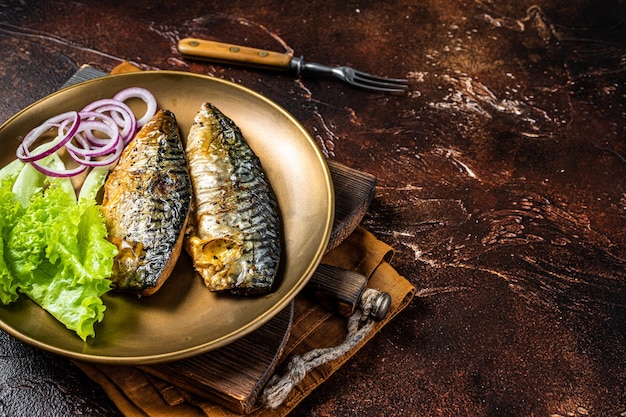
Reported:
(249, 327)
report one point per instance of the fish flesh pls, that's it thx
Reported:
(146, 205)
(233, 236)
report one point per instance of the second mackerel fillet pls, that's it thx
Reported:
(233, 234)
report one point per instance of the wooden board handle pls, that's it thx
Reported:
(337, 288)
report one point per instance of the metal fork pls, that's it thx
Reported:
(253, 57)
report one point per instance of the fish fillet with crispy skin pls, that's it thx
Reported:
(233, 234)
(146, 205)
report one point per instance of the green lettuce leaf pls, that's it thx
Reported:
(10, 211)
(55, 251)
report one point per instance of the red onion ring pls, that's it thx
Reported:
(142, 94)
(110, 157)
(89, 148)
(118, 111)
(23, 152)
(97, 122)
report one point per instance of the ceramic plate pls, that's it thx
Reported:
(183, 318)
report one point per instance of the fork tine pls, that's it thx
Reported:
(377, 83)
(382, 80)
(380, 89)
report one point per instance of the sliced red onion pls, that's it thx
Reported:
(96, 105)
(77, 132)
(57, 143)
(82, 148)
(97, 122)
(143, 94)
(109, 159)
(89, 148)
(118, 111)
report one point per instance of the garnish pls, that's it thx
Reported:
(94, 136)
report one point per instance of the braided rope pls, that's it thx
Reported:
(359, 325)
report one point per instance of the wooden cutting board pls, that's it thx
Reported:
(234, 375)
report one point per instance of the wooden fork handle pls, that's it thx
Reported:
(230, 53)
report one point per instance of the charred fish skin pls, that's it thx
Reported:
(146, 204)
(233, 236)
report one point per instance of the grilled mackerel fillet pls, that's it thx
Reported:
(233, 234)
(146, 205)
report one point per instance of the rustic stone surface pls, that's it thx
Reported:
(501, 184)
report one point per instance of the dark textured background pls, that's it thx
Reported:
(501, 185)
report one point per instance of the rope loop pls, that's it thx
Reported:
(359, 325)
